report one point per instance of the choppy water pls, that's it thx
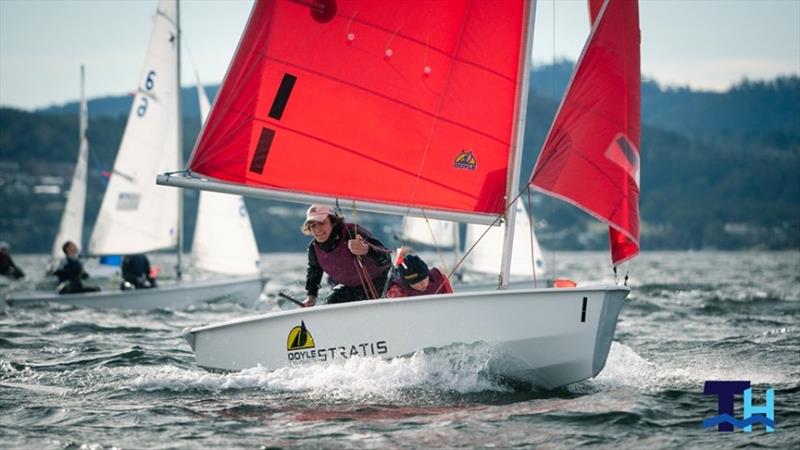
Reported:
(77, 378)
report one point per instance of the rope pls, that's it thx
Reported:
(466, 253)
(363, 273)
(495, 222)
(530, 222)
(435, 244)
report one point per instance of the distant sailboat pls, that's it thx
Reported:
(138, 216)
(485, 244)
(526, 256)
(71, 225)
(223, 235)
(418, 108)
(441, 234)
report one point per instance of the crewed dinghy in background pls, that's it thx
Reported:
(169, 296)
(138, 216)
(419, 109)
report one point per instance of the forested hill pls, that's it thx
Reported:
(719, 170)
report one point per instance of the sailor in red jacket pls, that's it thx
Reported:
(414, 278)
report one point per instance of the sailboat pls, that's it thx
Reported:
(526, 256)
(418, 108)
(136, 215)
(223, 241)
(71, 226)
(440, 234)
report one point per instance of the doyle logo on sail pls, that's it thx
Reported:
(299, 338)
(465, 160)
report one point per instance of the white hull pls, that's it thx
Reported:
(173, 296)
(537, 334)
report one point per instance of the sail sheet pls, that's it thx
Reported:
(136, 214)
(485, 256)
(591, 155)
(71, 226)
(223, 239)
(399, 103)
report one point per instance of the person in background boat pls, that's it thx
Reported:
(70, 272)
(136, 273)
(414, 278)
(356, 262)
(7, 266)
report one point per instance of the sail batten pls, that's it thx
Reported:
(223, 240)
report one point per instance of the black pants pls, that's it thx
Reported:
(76, 287)
(344, 294)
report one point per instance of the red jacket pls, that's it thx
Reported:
(439, 284)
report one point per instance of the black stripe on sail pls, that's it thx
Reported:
(262, 150)
(282, 96)
(628, 151)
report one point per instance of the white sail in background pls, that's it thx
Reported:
(71, 227)
(223, 236)
(485, 257)
(439, 233)
(136, 214)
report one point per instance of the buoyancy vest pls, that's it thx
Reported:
(341, 265)
(436, 280)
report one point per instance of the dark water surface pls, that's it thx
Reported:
(78, 378)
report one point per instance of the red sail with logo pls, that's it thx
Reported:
(402, 103)
(591, 155)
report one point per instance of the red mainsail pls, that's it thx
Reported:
(591, 155)
(404, 103)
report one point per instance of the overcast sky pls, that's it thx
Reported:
(704, 44)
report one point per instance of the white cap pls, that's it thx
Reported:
(318, 213)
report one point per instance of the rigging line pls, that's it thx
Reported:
(435, 244)
(357, 265)
(467, 252)
(355, 219)
(367, 284)
(553, 64)
(363, 273)
(436, 117)
(495, 222)
(530, 222)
